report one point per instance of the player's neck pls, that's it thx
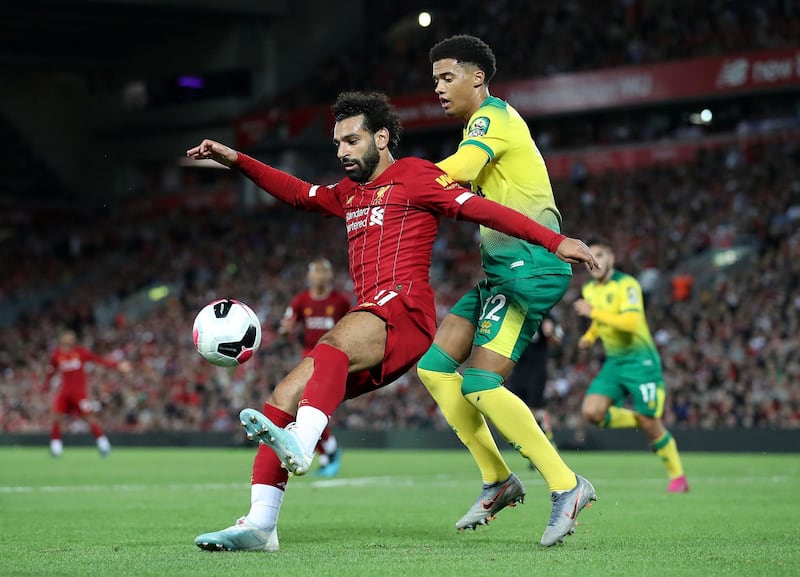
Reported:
(320, 293)
(479, 97)
(606, 277)
(386, 161)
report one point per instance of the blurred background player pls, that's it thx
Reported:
(69, 360)
(317, 310)
(528, 380)
(632, 369)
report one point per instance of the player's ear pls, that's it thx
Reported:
(382, 138)
(478, 78)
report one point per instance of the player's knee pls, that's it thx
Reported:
(436, 360)
(650, 425)
(478, 380)
(286, 394)
(425, 376)
(594, 414)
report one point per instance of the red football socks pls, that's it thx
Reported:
(267, 468)
(326, 388)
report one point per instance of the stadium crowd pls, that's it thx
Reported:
(568, 37)
(730, 349)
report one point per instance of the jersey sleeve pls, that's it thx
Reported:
(438, 192)
(465, 164)
(52, 368)
(87, 355)
(290, 189)
(295, 308)
(488, 130)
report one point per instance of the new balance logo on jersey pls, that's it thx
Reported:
(376, 216)
(446, 182)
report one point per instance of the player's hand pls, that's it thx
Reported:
(210, 149)
(548, 326)
(583, 308)
(286, 326)
(584, 343)
(573, 250)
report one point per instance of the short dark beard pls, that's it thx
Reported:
(367, 165)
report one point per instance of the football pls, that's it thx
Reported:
(226, 332)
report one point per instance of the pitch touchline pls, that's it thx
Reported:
(346, 482)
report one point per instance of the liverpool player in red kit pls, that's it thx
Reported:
(316, 310)
(391, 210)
(69, 359)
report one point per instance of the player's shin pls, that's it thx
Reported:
(322, 395)
(436, 370)
(269, 478)
(667, 450)
(516, 423)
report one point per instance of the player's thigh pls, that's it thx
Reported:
(61, 405)
(454, 336)
(361, 335)
(510, 315)
(410, 329)
(645, 384)
(457, 331)
(595, 406)
(606, 389)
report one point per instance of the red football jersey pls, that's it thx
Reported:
(317, 315)
(393, 220)
(71, 364)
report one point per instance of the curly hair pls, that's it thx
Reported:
(378, 113)
(466, 48)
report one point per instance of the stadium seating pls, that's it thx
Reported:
(729, 349)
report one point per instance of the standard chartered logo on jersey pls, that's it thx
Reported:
(358, 218)
(376, 216)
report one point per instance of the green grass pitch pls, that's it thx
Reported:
(392, 513)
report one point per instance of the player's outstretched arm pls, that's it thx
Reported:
(514, 223)
(212, 150)
(279, 184)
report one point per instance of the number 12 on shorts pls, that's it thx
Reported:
(490, 314)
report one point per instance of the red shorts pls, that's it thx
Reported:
(410, 327)
(72, 405)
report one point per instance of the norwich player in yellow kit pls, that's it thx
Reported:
(632, 369)
(495, 320)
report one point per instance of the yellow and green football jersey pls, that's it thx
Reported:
(620, 294)
(515, 176)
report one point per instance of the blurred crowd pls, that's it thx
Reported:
(536, 39)
(730, 347)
